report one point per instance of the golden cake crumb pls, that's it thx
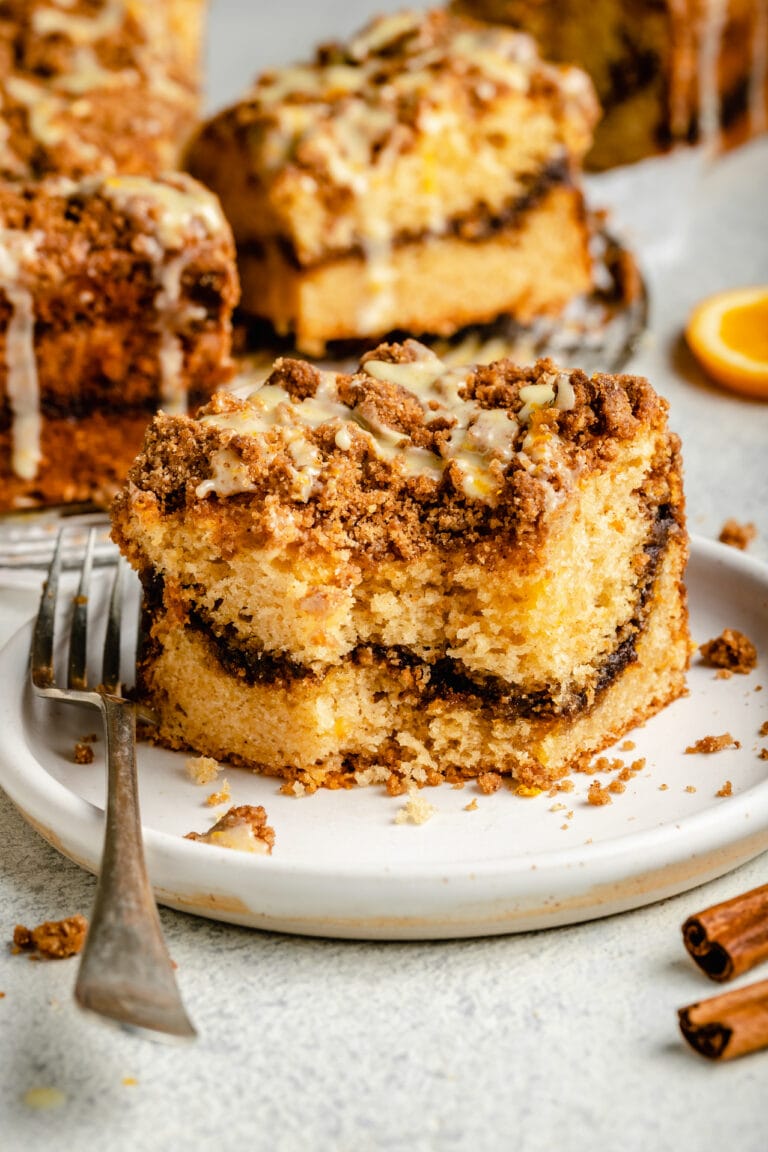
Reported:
(708, 744)
(202, 769)
(416, 810)
(565, 785)
(471, 807)
(763, 754)
(617, 785)
(221, 797)
(723, 674)
(726, 790)
(627, 746)
(598, 795)
(54, 939)
(737, 535)
(637, 765)
(763, 731)
(243, 828)
(83, 753)
(731, 650)
(690, 788)
(558, 808)
(663, 787)
(527, 791)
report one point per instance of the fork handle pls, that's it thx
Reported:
(126, 973)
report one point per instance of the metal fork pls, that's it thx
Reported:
(126, 973)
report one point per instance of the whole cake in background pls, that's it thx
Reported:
(422, 177)
(666, 71)
(116, 298)
(109, 86)
(410, 573)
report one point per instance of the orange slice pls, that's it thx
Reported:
(728, 335)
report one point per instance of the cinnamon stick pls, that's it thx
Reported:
(730, 938)
(728, 1025)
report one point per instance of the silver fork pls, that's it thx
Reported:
(126, 973)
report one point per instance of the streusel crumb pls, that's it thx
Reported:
(598, 795)
(726, 790)
(731, 650)
(83, 753)
(54, 939)
(708, 744)
(737, 535)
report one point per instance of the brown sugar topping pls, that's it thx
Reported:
(54, 939)
(731, 650)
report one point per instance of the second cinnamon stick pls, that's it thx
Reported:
(728, 1025)
(730, 938)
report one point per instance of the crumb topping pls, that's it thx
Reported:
(482, 451)
(726, 790)
(731, 650)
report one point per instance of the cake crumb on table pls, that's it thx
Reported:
(471, 807)
(598, 795)
(690, 788)
(737, 535)
(54, 939)
(708, 744)
(83, 753)
(731, 650)
(416, 810)
(763, 730)
(726, 790)
(243, 828)
(202, 769)
(627, 746)
(763, 754)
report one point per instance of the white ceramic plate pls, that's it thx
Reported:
(343, 867)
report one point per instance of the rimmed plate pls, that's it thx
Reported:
(343, 867)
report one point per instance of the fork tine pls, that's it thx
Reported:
(77, 676)
(110, 674)
(42, 638)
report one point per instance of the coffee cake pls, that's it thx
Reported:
(410, 573)
(421, 177)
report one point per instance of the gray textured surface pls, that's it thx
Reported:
(564, 1039)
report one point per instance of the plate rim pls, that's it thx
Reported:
(37, 794)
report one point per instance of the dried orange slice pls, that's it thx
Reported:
(728, 335)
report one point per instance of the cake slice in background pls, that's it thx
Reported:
(116, 296)
(666, 71)
(97, 85)
(411, 573)
(423, 177)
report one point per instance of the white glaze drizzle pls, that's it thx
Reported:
(17, 249)
(171, 212)
(714, 18)
(480, 444)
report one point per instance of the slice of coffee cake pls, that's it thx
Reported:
(411, 573)
(421, 177)
(116, 297)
